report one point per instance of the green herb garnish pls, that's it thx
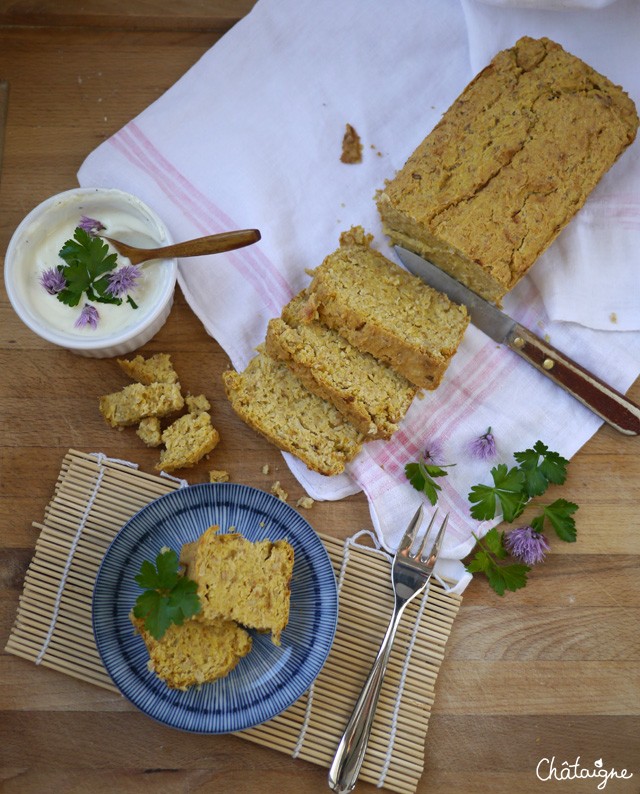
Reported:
(88, 262)
(169, 597)
(507, 491)
(422, 476)
(513, 488)
(488, 558)
(559, 514)
(540, 467)
(510, 493)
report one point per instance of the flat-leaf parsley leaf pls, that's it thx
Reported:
(537, 468)
(421, 475)
(87, 261)
(507, 491)
(490, 552)
(541, 466)
(560, 515)
(169, 597)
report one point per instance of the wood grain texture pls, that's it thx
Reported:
(550, 671)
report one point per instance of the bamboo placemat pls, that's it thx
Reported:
(94, 496)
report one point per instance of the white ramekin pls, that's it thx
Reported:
(21, 280)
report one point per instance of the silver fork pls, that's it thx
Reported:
(410, 574)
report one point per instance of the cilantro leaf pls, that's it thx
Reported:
(87, 260)
(511, 491)
(168, 566)
(507, 491)
(148, 576)
(168, 597)
(541, 466)
(78, 281)
(421, 475)
(184, 601)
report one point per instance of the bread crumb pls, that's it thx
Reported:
(279, 491)
(218, 475)
(138, 400)
(149, 431)
(265, 468)
(306, 502)
(156, 369)
(351, 146)
(187, 441)
(613, 317)
(197, 405)
(356, 235)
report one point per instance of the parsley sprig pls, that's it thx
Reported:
(513, 488)
(422, 476)
(87, 265)
(489, 559)
(505, 558)
(169, 597)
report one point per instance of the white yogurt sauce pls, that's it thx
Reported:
(39, 251)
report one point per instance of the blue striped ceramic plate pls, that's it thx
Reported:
(270, 678)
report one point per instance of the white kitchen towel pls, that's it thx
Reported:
(251, 136)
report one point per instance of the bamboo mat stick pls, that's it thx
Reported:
(95, 496)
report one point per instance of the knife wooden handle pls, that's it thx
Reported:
(610, 405)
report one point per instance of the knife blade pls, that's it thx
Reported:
(616, 409)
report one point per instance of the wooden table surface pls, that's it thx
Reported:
(550, 671)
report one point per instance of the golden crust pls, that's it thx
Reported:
(508, 165)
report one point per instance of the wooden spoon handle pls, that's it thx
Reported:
(212, 244)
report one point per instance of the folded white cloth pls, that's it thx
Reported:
(251, 136)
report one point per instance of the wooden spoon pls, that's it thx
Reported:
(213, 244)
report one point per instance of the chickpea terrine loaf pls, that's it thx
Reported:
(272, 400)
(367, 392)
(385, 311)
(508, 165)
(240, 580)
(194, 652)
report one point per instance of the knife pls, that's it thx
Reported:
(608, 404)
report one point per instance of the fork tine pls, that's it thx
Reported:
(410, 534)
(426, 536)
(435, 549)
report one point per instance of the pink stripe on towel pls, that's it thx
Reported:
(205, 216)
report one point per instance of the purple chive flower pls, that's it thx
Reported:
(527, 545)
(53, 281)
(123, 280)
(433, 453)
(91, 225)
(88, 316)
(483, 447)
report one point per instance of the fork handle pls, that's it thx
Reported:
(349, 756)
